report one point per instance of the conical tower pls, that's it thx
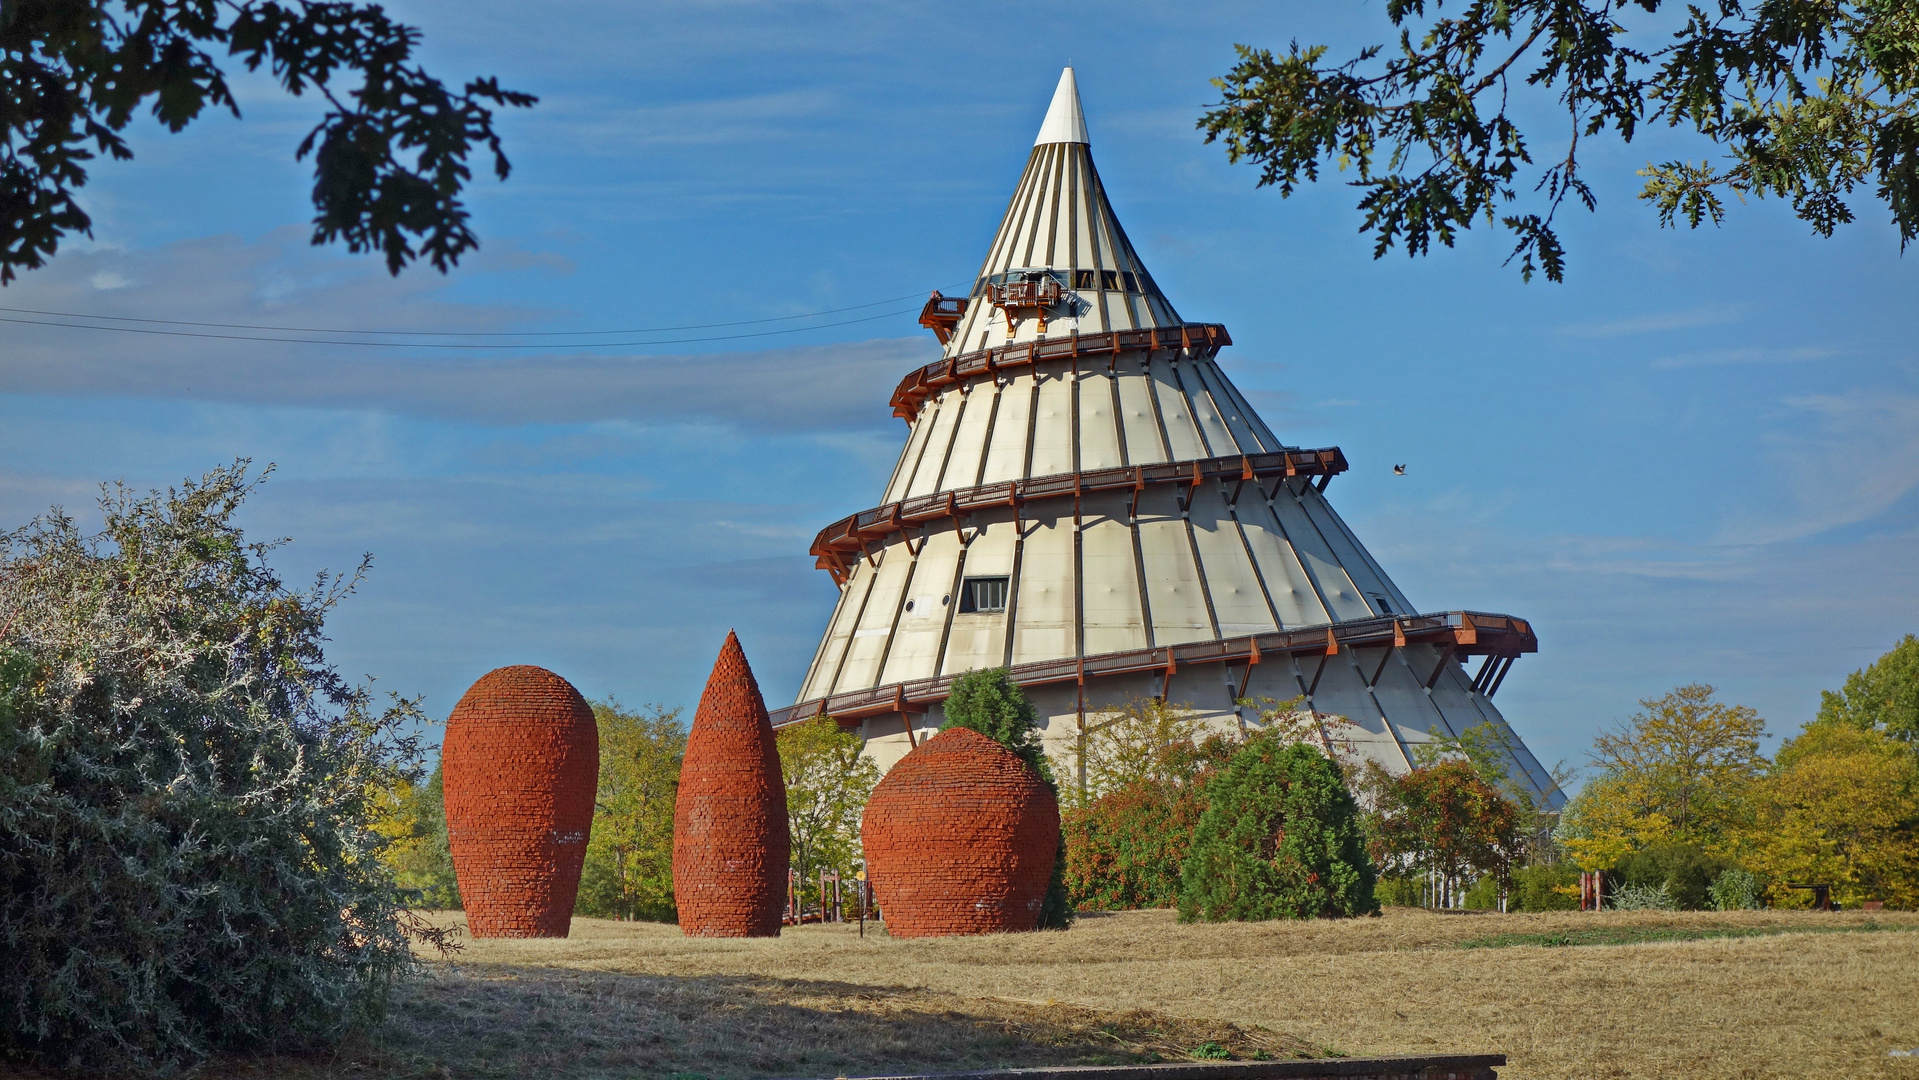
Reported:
(1085, 498)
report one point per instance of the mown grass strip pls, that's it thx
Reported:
(1635, 935)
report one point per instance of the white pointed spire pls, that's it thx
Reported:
(1065, 121)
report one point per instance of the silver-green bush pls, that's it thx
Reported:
(1735, 890)
(186, 862)
(1642, 898)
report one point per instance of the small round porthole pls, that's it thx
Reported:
(909, 605)
(945, 600)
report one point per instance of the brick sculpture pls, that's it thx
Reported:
(960, 838)
(522, 761)
(730, 843)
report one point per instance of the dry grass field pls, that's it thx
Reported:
(1800, 994)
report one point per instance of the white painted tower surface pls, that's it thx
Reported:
(1086, 499)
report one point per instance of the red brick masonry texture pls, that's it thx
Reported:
(960, 839)
(522, 761)
(730, 841)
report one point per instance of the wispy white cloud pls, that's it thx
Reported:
(1750, 354)
(1852, 457)
(273, 283)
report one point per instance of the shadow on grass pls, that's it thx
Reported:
(485, 1021)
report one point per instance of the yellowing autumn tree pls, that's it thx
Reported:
(1841, 805)
(827, 784)
(1682, 767)
(629, 859)
(1130, 744)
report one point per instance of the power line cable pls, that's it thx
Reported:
(524, 345)
(453, 333)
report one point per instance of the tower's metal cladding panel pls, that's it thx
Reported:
(1084, 497)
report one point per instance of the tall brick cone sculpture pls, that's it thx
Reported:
(522, 760)
(960, 838)
(730, 844)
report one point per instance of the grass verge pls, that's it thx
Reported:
(1637, 935)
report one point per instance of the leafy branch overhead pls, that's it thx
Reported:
(389, 156)
(1806, 100)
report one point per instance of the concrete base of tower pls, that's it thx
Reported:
(1371, 705)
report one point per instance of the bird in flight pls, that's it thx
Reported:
(1399, 470)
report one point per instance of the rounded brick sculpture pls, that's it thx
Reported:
(522, 761)
(730, 841)
(960, 838)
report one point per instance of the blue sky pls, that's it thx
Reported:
(1694, 461)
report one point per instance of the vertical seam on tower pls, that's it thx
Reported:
(1052, 216)
(953, 597)
(1016, 221)
(1321, 533)
(1214, 380)
(899, 607)
(1192, 410)
(1378, 571)
(813, 669)
(1139, 576)
(986, 442)
(1299, 560)
(1265, 434)
(946, 459)
(1159, 414)
(1232, 511)
(932, 421)
(1096, 230)
(1119, 422)
(1199, 571)
(1013, 586)
(1032, 427)
(852, 633)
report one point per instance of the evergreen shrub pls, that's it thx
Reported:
(1281, 837)
(1685, 871)
(1543, 887)
(189, 796)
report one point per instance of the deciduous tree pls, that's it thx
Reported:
(389, 155)
(1685, 763)
(1840, 805)
(629, 859)
(1802, 101)
(828, 781)
(1883, 696)
(1442, 818)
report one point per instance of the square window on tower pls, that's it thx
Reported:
(1082, 279)
(1380, 603)
(982, 595)
(1109, 279)
(1132, 285)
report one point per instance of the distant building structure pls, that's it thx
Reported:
(1085, 498)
